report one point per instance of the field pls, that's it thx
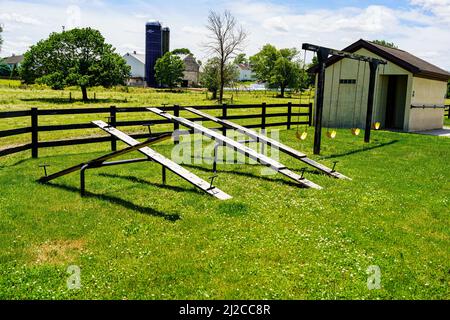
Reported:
(134, 238)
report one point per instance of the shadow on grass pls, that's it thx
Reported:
(64, 100)
(121, 202)
(142, 181)
(363, 149)
(246, 174)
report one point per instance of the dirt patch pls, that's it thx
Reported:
(58, 252)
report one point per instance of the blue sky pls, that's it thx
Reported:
(419, 26)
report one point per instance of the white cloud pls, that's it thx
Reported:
(276, 24)
(18, 18)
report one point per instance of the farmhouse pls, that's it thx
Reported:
(13, 61)
(409, 92)
(245, 72)
(191, 70)
(137, 63)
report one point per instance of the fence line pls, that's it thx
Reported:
(447, 112)
(113, 112)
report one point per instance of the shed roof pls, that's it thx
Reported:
(417, 66)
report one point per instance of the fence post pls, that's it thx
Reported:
(113, 123)
(34, 133)
(289, 116)
(176, 125)
(263, 116)
(224, 117)
(310, 114)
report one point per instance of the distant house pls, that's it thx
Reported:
(13, 61)
(137, 63)
(191, 70)
(245, 72)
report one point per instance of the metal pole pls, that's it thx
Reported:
(163, 175)
(373, 72)
(83, 180)
(322, 55)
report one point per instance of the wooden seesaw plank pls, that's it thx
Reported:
(169, 164)
(260, 158)
(271, 142)
(108, 156)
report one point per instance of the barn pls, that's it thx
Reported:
(409, 92)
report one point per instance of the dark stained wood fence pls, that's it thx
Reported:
(113, 114)
(447, 112)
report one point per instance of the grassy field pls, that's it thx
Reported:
(134, 238)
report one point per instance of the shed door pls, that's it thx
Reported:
(395, 102)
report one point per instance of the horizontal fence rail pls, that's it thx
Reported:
(113, 114)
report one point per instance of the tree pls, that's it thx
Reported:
(182, 51)
(385, 43)
(169, 70)
(210, 77)
(241, 59)
(279, 68)
(1, 39)
(226, 39)
(79, 57)
(5, 70)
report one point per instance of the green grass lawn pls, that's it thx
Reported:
(134, 238)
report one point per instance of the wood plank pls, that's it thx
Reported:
(14, 114)
(13, 132)
(4, 152)
(271, 142)
(248, 152)
(169, 164)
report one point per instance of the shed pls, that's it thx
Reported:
(409, 92)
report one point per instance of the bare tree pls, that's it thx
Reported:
(1, 39)
(226, 39)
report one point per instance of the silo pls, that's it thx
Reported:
(153, 50)
(165, 40)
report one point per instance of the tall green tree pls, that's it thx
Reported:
(210, 77)
(169, 70)
(241, 59)
(279, 68)
(5, 70)
(181, 51)
(79, 57)
(385, 43)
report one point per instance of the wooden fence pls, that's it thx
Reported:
(113, 113)
(447, 112)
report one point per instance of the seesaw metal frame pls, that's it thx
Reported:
(150, 154)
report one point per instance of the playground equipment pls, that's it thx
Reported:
(322, 56)
(252, 154)
(270, 142)
(151, 155)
